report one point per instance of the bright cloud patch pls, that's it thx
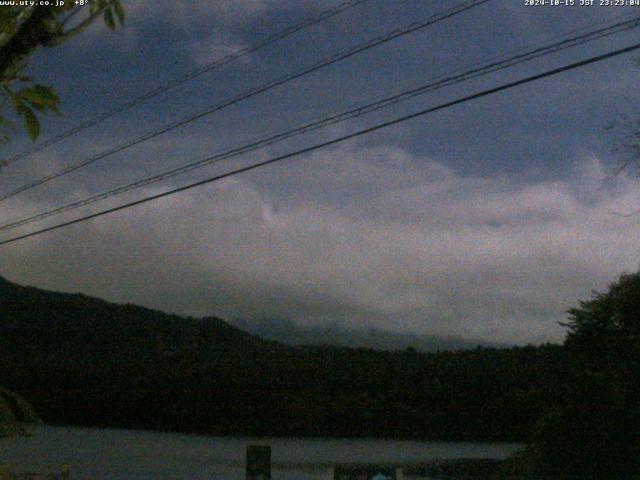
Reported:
(361, 237)
(215, 48)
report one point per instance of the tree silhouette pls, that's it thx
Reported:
(595, 434)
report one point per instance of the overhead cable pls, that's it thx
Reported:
(287, 32)
(413, 27)
(446, 81)
(328, 143)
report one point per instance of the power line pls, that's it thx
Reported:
(507, 62)
(281, 35)
(335, 141)
(413, 27)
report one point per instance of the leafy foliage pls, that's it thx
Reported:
(595, 433)
(23, 29)
(608, 318)
(29, 100)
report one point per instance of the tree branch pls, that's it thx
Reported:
(86, 22)
(20, 18)
(31, 33)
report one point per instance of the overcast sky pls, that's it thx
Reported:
(487, 220)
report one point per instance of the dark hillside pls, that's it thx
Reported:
(72, 325)
(84, 361)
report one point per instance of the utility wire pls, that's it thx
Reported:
(334, 141)
(413, 27)
(287, 32)
(507, 62)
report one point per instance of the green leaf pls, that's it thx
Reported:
(30, 95)
(94, 6)
(39, 95)
(31, 123)
(17, 102)
(47, 93)
(40, 98)
(109, 20)
(119, 11)
(37, 106)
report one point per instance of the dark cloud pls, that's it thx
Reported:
(423, 249)
(485, 221)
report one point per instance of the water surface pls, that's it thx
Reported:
(108, 454)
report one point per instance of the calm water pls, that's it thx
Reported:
(136, 455)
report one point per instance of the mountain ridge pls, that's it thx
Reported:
(291, 333)
(85, 361)
(285, 332)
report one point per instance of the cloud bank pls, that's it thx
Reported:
(363, 237)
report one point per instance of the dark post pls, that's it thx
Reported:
(258, 462)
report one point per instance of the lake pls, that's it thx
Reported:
(108, 454)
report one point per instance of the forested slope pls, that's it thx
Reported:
(84, 361)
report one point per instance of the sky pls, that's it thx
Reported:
(486, 221)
